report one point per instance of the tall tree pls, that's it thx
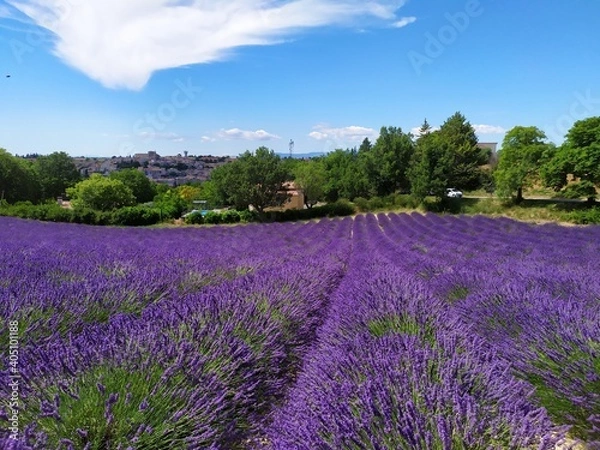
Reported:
(579, 156)
(365, 146)
(141, 186)
(346, 175)
(389, 161)
(252, 179)
(524, 150)
(460, 136)
(310, 176)
(425, 128)
(431, 166)
(56, 172)
(17, 179)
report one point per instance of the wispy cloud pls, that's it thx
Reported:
(488, 129)
(5, 13)
(404, 21)
(350, 134)
(207, 139)
(121, 43)
(236, 133)
(168, 136)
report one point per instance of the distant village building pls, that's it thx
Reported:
(170, 170)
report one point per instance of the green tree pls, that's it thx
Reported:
(310, 176)
(142, 187)
(460, 136)
(56, 172)
(289, 165)
(17, 179)
(101, 193)
(579, 156)
(365, 146)
(425, 128)
(169, 202)
(431, 166)
(389, 160)
(252, 179)
(583, 140)
(524, 150)
(346, 175)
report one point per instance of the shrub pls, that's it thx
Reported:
(248, 216)
(376, 203)
(135, 216)
(586, 216)
(362, 204)
(406, 201)
(195, 218)
(84, 215)
(57, 214)
(336, 209)
(212, 217)
(231, 216)
(339, 208)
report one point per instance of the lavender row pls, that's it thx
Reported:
(197, 370)
(60, 279)
(534, 302)
(391, 371)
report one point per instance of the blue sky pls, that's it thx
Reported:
(114, 77)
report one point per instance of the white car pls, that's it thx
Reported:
(453, 193)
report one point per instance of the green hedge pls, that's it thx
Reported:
(336, 209)
(229, 216)
(145, 215)
(195, 218)
(52, 212)
(136, 216)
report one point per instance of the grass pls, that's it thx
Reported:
(538, 210)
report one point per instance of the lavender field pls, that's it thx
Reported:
(374, 332)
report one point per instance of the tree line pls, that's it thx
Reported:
(397, 162)
(423, 166)
(571, 169)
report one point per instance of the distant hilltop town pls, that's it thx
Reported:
(171, 170)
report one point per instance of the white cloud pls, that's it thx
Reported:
(113, 135)
(207, 139)
(173, 137)
(404, 21)
(236, 133)
(351, 134)
(416, 131)
(120, 43)
(488, 129)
